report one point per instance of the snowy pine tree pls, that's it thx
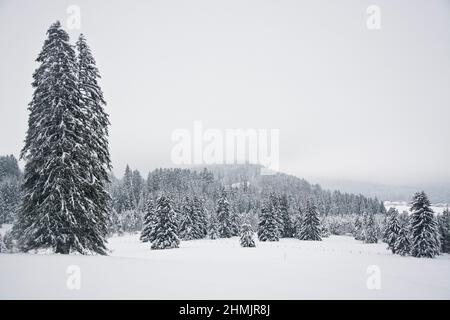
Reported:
(2, 245)
(288, 227)
(213, 228)
(310, 227)
(268, 224)
(148, 231)
(200, 218)
(444, 230)
(370, 233)
(386, 223)
(8, 242)
(324, 231)
(277, 213)
(247, 236)
(224, 217)
(392, 230)
(235, 223)
(95, 136)
(424, 229)
(64, 203)
(358, 229)
(402, 242)
(165, 236)
(186, 230)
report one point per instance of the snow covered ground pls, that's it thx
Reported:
(336, 268)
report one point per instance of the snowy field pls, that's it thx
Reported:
(405, 206)
(336, 268)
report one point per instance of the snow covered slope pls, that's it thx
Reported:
(336, 268)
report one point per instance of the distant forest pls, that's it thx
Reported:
(245, 187)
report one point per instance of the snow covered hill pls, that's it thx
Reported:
(336, 268)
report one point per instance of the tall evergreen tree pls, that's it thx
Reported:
(200, 218)
(268, 224)
(444, 230)
(224, 217)
(128, 201)
(424, 229)
(310, 228)
(62, 206)
(277, 213)
(95, 136)
(288, 227)
(186, 229)
(391, 211)
(370, 229)
(402, 242)
(392, 230)
(358, 228)
(213, 228)
(148, 232)
(165, 236)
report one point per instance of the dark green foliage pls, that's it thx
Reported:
(424, 229)
(148, 233)
(64, 203)
(392, 230)
(370, 234)
(310, 226)
(165, 232)
(268, 224)
(444, 230)
(247, 236)
(225, 223)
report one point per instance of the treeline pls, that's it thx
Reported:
(10, 184)
(245, 187)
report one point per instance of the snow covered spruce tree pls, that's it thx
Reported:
(424, 229)
(268, 224)
(224, 217)
(64, 205)
(392, 230)
(298, 220)
(200, 218)
(2, 245)
(310, 228)
(213, 228)
(148, 232)
(386, 223)
(165, 232)
(247, 236)
(444, 230)
(358, 229)
(370, 233)
(277, 213)
(186, 229)
(193, 220)
(324, 230)
(288, 230)
(402, 244)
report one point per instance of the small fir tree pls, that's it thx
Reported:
(165, 229)
(247, 236)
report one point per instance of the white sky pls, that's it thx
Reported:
(353, 103)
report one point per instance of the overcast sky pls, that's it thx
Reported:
(352, 103)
